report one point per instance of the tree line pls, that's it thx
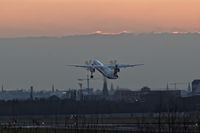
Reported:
(56, 106)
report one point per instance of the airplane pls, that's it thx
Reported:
(109, 71)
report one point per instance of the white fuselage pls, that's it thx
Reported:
(104, 70)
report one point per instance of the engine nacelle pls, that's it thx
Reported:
(116, 70)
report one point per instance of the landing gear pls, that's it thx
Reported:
(92, 71)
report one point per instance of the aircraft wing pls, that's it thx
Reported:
(123, 65)
(86, 66)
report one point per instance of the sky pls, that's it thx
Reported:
(69, 17)
(41, 61)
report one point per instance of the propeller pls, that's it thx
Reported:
(88, 62)
(92, 70)
(113, 62)
(116, 69)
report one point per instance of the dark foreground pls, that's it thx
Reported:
(77, 130)
(55, 106)
(53, 130)
(115, 123)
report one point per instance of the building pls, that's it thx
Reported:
(164, 95)
(145, 94)
(196, 87)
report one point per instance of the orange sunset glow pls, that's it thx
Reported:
(69, 17)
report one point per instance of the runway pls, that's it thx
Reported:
(154, 127)
(106, 122)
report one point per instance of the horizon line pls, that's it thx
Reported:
(98, 32)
